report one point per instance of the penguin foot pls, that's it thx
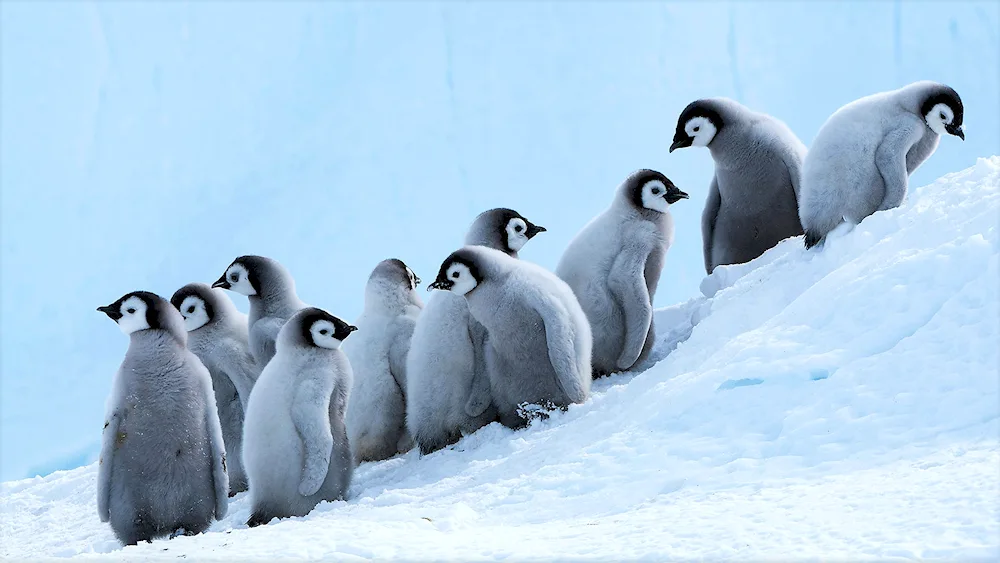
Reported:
(812, 239)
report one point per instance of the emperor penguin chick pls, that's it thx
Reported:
(376, 415)
(614, 264)
(538, 352)
(273, 301)
(447, 387)
(753, 198)
(162, 468)
(295, 446)
(863, 155)
(217, 334)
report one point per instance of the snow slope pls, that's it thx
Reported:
(840, 403)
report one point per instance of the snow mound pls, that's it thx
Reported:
(837, 403)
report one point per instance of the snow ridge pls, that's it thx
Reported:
(840, 403)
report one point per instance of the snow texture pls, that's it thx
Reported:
(838, 403)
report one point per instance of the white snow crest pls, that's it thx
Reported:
(837, 403)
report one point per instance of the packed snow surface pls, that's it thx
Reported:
(835, 403)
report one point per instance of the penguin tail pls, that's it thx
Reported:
(812, 238)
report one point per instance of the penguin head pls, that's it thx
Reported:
(196, 303)
(459, 273)
(395, 272)
(241, 276)
(649, 189)
(502, 229)
(943, 111)
(139, 310)
(321, 329)
(697, 125)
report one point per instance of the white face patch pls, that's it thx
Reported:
(462, 278)
(239, 280)
(653, 196)
(323, 335)
(939, 116)
(701, 130)
(133, 312)
(414, 280)
(517, 233)
(194, 312)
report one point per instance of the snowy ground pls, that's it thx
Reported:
(836, 404)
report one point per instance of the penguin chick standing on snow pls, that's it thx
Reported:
(217, 334)
(273, 301)
(376, 415)
(295, 444)
(539, 345)
(864, 154)
(162, 468)
(753, 198)
(447, 388)
(613, 266)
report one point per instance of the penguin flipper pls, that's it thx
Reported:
(109, 440)
(311, 416)
(708, 217)
(890, 159)
(561, 340)
(217, 447)
(628, 286)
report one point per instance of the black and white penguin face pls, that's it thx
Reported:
(324, 330)
(456, 276)
(133, 312)
(195, 312)
(697, 126)
(519, 231)
(414, 280)
(654, 191)
(237, 278)
(942, 117)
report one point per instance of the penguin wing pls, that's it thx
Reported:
(480, 395)
(398, 350)
(108, 439)
(560, 337)
(220, 475)
(239, 365)
(265, 333)
(311, 416)
(627, 284)
(890, 159)
(708, 217)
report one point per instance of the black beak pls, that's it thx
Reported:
(534, 230)
(222, 282)
(416, 280)
(351, 328)
(111, 311)
(956, 131)
(673, 195)
(681, 143)
(441, 284)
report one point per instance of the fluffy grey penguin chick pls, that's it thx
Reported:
(162, 468)
(376, 415)
(614, 264)
(295, 446)
(863, 155)
(753, 198)
(539, 345)
(273, 301)
(447, 387)
(217, 334)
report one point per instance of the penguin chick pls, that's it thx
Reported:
(217, 334)
(162, 468)
(295, 446)
(863, 155)
(447, 387)
(539, 346)
(753, 198)
(376, 415)
(613, 267)
(273, 301)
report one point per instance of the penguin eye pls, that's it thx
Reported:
(191, 309)
(235, 277)
(518, 228)
(656, 191)
(697, 128)
(454, 274)
(131, 310)
(323, 332)
(943, 117)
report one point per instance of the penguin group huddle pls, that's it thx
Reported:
(208, 402)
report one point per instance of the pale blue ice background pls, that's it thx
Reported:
(144, 145)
